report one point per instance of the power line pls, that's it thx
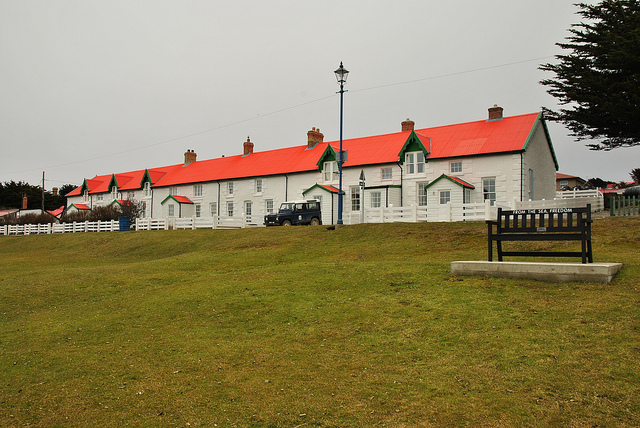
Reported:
(259, 116)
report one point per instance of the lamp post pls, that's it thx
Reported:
(362, 185)
(341, 76)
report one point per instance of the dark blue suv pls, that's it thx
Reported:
(296, 213)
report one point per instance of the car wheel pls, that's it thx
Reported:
(286, 223)
(315, 222)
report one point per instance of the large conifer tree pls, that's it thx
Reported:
(598, 83)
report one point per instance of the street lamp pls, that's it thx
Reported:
(341, 75)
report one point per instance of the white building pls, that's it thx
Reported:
(499, 159)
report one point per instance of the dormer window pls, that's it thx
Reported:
(414, 162)
(147, 189)
(330, 172)
(114, 192)
(85, 196)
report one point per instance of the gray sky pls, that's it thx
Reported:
(98, 87)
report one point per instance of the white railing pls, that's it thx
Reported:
(449, 212)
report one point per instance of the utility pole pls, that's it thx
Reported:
(42, 192)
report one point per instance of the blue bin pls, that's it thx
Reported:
(124, 224)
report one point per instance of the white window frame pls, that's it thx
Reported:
(230, 187)
(414, 162)
(197, 190)
(248, 209)
(173, 191)
(386, 173)
(114, 193)
(230, 209)
(147, 189)
(356, 198)
(197, 210)
(489, 189)
(375, 199)
(99, 197)
(466, 196)
(455, 167)
(259, 185)
(422, 193)
(171, 210)
(268, 206)
(445, 196)
(330, 172)
(213, 209)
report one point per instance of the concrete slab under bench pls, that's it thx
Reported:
(551, 272)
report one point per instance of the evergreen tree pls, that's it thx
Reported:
(599, 81)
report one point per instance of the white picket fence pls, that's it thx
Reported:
(449, 212)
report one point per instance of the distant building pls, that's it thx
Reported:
(568, 182)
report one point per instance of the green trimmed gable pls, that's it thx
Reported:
(467, 185)
(146, 178)
(329, 155)
(413, 144)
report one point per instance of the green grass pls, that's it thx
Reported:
(302, 326)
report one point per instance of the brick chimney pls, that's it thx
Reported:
(314, 137)
(408, 125)
(189, 157)
(24, 202)
(495, 113)
(248, 147)
(54, 191)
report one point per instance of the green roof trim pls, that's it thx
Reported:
(460, 183)
(413, 144)
(146, 178)
(113, 182)
(185, 201)
(329, 155)
(321, 187)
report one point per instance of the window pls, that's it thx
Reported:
(171, 210)
(422, 194)
(489, 190)
(456, 167)
(144, 210)
(114, 192)
(213, 209)
(564, 183)
(131, 196)
(269, 206)
(318, 198)
(230, 188)
(197, 190)
(331, 171)
(258, 185)
(198, 209)
(247, 211)
(376, 199)
(531, 195)
(99, 197)
(467, 196)
(445, 196)
(85, 196)
(415, 162)
(387, 173)
(355, 199)
(230, 209)
(173, 191)
(147, 189)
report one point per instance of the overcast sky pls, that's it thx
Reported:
(99, 87)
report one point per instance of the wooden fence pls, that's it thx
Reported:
(624, 205)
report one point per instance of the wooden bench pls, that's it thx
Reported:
(549, 224)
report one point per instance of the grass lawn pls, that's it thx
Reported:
(306, 327)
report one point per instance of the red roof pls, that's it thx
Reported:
(511, 134)
(57, 212)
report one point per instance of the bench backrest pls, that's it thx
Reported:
(544, 220)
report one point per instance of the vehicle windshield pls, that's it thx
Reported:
(287, 207)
